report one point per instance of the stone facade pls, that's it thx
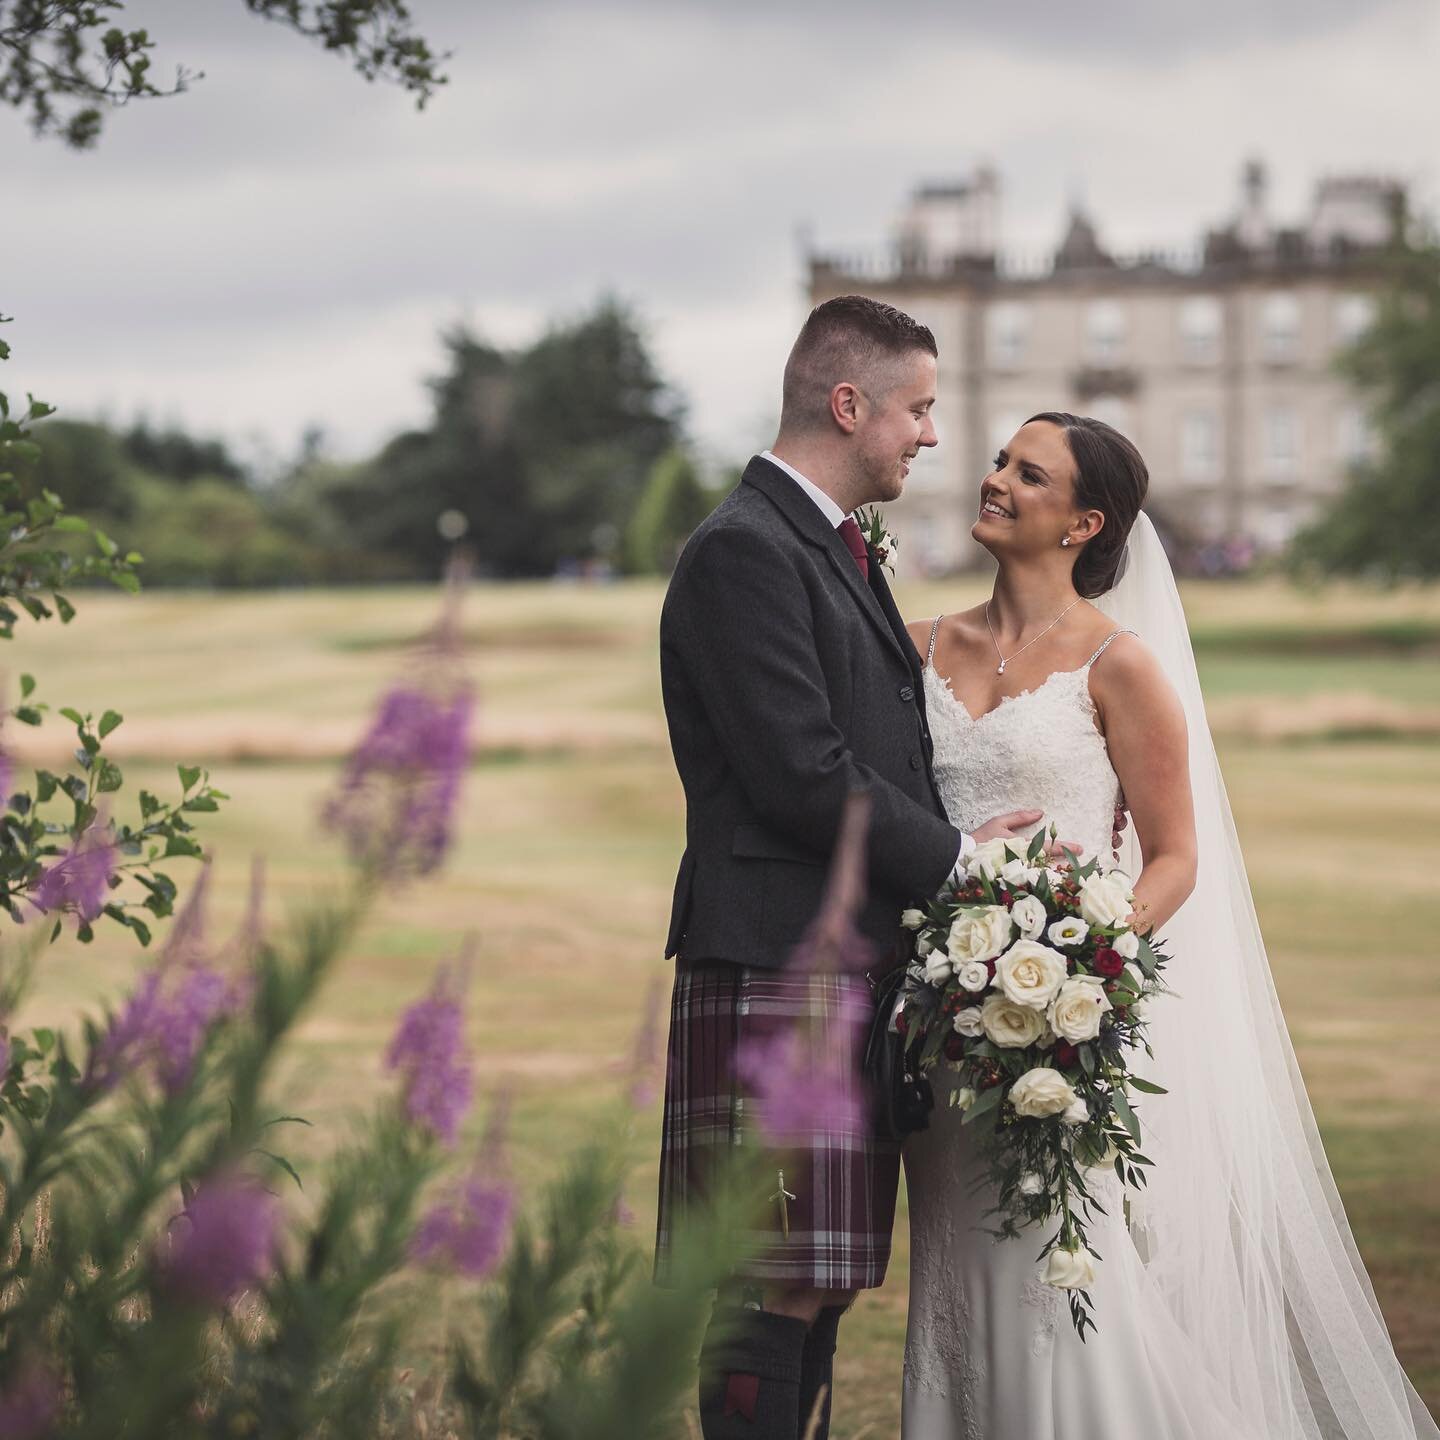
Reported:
(1218, 364)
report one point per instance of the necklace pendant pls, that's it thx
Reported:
(1001, 670)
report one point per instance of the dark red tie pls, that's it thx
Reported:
(850, 534)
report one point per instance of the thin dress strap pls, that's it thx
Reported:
(1105, 645)
(934, 631)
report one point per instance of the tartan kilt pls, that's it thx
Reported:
(844, 1179)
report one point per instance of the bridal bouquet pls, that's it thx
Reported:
(1029, 984)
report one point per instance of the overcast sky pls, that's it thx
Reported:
(280, 246)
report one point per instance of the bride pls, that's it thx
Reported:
(1231, 1300)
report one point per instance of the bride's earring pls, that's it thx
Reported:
(1064, 542)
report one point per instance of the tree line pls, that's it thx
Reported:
(566, 454)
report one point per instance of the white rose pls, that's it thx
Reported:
(923, 946)
(1076, 1010)
(989, 856)
(963, 1098)
(912, 919)
(1127, 944)
(1031, 973)
(1069, 1269)
(1078, 1113)
(1069, 931)
(1032, 1184)
(967, 1022)
(937, 967)
(980, 933)
(1008, 1025)
(973, 975)
(1106, 899)
(1017, 874)
(1040, 1093)
(1029, 914)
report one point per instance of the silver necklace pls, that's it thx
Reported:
(1006, 659)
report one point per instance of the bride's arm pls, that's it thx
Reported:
(1144, 727)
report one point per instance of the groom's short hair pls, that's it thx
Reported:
(850, 338)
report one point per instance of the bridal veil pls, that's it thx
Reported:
(1241, 1227)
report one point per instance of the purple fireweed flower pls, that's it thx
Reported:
(469, 1230)
(396, 799)
(803, 1082)
(645, 1056)
(79, 879)
(222, 1242)
(7, 778)
(428, 1049)
(30, 1404)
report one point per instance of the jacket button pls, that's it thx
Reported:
(915, 762)
(907, 693)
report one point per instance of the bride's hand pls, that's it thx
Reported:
(1020, 825)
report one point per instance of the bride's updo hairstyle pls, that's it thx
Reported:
(1111, 477)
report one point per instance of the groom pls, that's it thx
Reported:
(790, 682)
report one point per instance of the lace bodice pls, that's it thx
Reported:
(1036, 750)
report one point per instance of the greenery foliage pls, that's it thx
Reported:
(674, 502)
(1386, 523)
(64, 63)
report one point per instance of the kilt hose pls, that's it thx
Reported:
(844, 1179)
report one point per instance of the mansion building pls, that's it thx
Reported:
(1219, 364)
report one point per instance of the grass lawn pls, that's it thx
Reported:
(571, 828)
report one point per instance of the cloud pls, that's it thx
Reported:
(283, 244)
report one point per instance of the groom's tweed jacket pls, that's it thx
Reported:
(790, 682)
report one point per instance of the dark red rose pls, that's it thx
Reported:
(990, 968)
(1004, 897)
(1065, 1053)
(1108, 962)
(954, 1046)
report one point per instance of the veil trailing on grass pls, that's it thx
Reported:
(1244, 1235)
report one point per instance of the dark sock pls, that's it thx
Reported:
(750, 1375)
(817, 1371)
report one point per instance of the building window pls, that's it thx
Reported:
(1008, 334)
(1104, 332)
(1200, 446)
(1281, 454)
(1201, 320)
(1280, 327)
(1354, 437)
(1114, 410)
(1354, 314)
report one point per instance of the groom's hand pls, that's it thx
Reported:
(1020, 825)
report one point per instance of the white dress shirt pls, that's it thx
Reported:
(836, 516)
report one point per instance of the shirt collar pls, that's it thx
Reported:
(828, 508)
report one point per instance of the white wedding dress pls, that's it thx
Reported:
(1239, 1308)
(991, 1353)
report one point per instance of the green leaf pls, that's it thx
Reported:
(108, 548)
(181, 845)
(65, 608)
(283, 1163)
(73, 715)
(1148, 1086)
(1126, 1114)
(72, 524)
(27, 686)
(127, 582)
(109, 721)
(989, 1100)
(189, 774)
(28, 715)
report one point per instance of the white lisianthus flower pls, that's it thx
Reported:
(1031, 973)
(1040, 1093)
(1032, 1184)
(1077, 1114)
(1017, 874)
(912, 919)
(980, 932)
(938, 968)
(1075, 1011)
(963, 1098)
(1106, 899)
(1127, 944)
(1069, 1269)
(1008, 1025)
(973, 975)
(1029, 914)
(967, 1022)
(1070, 931)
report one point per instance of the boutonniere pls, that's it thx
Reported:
(881, 542)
